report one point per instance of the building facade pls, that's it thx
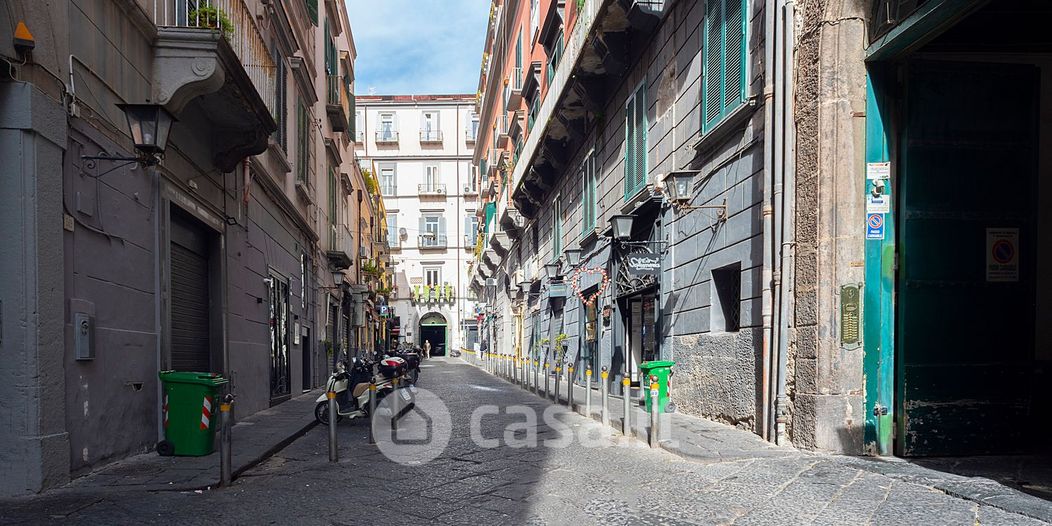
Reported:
(418, 148)
(235, 254)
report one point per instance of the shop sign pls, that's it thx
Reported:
(643, 264)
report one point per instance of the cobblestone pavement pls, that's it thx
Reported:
(591, 480)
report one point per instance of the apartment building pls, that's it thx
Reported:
(229, 249)
(418, 148)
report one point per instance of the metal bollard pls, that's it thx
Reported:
(558, 372)
(536, 377)
(395, 405)
(605, 391)
(372, 410)
(547, 378)
(654, 412)
(225, 473)
(588, 392)
(569, 387)
(626, 394)
(333, 414)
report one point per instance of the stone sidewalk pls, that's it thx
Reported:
(705, 441)
(254, 439)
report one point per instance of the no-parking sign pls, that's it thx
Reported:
(1002, 254)
(874, 226)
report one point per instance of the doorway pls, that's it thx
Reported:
(190, 277)
(307, 352)
(641, 331)
(433, 328)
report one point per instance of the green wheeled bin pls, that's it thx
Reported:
(662, 369)
(190, 407)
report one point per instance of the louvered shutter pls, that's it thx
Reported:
(734, 31)
(441, 231)
(630, 139)
(713, 62)
(312, 11)
(641, 137)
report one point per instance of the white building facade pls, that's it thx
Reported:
(418, 147)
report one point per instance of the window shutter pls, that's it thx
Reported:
(713, 62)
(734, 30)
(423, 227)
(354, 122)
(641, 137)
(441, 230)
(312, 11)
(630, 139)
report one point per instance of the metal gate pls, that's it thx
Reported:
(190, 327)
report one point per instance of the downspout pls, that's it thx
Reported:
(788, 246)
(766, 300)
(778, 150)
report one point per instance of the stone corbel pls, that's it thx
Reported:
(231, 146)
(185, 66)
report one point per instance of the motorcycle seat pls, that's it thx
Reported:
(359, 389)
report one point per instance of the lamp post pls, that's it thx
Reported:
(150, 125)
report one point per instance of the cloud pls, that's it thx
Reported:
(414, 47)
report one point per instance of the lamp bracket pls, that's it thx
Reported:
(91, 161)
(721, 215)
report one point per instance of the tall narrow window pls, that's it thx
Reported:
(392, 229)
(387, 127)
(557, 228)
(471, 229)
(387, 180)
(517, 75)
(556, 56)
(589, 197)
(429, 130)
(535, 17)
(473, 131)
(636, 142)
(301, 142)
(432, 276)
(333, 209)
(359, 126)
(312, 11)
(723, 60)
(280, 103)
(431, 180)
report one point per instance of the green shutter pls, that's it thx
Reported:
(630, 139)
(312, 11)
(723, 60)
(636, 142)
(353, 117)
(301, 142)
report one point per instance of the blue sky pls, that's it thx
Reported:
(416, 47)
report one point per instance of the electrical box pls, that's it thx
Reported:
(83, 336)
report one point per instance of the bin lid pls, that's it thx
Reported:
(656, 364)
(187, 377)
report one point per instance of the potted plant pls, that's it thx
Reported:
(213, 17)
(560, 346)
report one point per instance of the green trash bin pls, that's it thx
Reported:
(662, 369)
(190, 407)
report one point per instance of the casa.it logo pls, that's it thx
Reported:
(412, 426)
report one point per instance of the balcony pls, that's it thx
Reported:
(513, 96)
(210, 52)
(502, 131)
(470, 136)
(430, 136)
(431, 241)
(337, 103)
(341, 247)
(386, 137)
(431, 189)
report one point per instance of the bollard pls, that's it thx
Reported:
(395, 406)
(626, 394)
(605, 392)
(588, 392)
(569, 386)
(333, 413)
(224, 441)
(654, 410)
(558, 373)
(536, 377)
(547, 378)
(372, 410)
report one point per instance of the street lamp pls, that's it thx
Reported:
(149, 125)
(573, 256)
(621, 225)
(677, 186)
(524, 286)
(552, 270)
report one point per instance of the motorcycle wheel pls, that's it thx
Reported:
(414, 376)
(321, 413)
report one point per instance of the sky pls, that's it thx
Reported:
(417, 47)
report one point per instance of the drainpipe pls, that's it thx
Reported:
(788, 245)
(767, 302)
(778, 150)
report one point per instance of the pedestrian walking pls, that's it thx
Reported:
(427, 348)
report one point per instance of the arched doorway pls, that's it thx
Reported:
(433, 328)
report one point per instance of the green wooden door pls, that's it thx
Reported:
(965, 342)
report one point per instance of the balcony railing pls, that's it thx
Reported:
(359, 136)
(388, 189)
(337, 103)
(386, 137)
(341, 246)
(431, 241)
(431, 189)
(237, 25)
(470, 135)
(430, 135)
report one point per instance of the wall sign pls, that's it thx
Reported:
(877, 171)
(643, 264)
(1002, 254)
(849, 315)
(878, 204)
(874, 226)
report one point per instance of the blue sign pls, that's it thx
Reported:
(874, 226)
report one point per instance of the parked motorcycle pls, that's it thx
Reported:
(412, 360)
(351, 385)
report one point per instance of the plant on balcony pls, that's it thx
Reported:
(416, 293)
(449, 293)
(560, 346)
(214, 18)
(580, 5)
(370, 182)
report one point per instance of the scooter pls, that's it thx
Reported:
(412, 360)
(352, 391)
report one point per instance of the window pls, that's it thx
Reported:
(432, 231)
(589, 195)
(392, 229)
(636, 142)
(726, 299)
(387, 127)
(432, 276)
(723, 60)
(429, 130)
(471, 229)
(301, 142)
(359, 126)
(517, 79)
(557, 54)
(333, 208)
(536, 239)
(535, 17)
(473, 131)
(431, 179)
(557, 228)
(280, 100)
(387, 180)
(279, 336)
(532, 117)
(312, 11)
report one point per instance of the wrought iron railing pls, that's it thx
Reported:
(431, 188)
(236, 24)
(431, 241)
(386, 136)
(430, 135)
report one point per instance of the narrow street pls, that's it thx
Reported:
(619, 482)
